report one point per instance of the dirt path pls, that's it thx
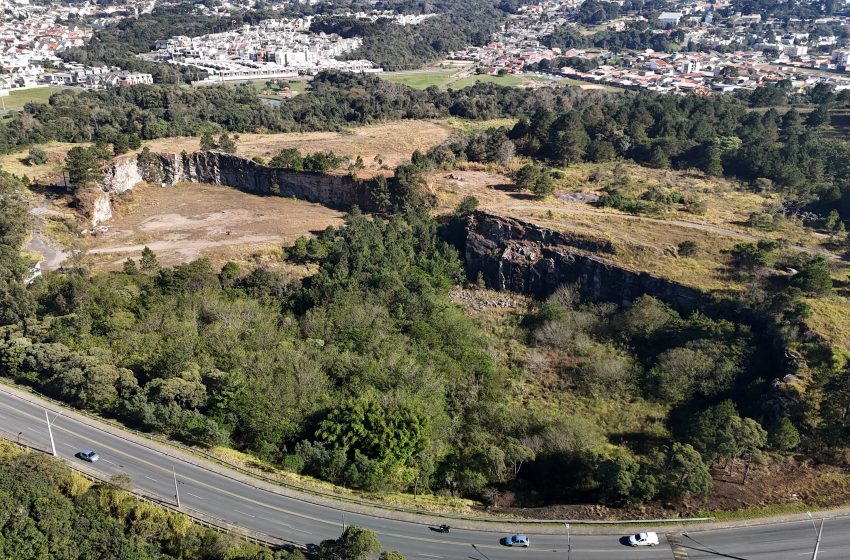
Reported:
(52, 253)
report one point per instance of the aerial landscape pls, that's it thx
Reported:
(445, 279)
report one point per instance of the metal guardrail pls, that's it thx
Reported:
(341, 497)
(199, 517)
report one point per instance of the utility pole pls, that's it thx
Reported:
(50, 430)
(176, 490)
(569, 544)
(817, 542)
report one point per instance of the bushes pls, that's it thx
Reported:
(46, 512)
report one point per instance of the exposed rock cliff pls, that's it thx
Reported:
(519, 256)
(122, 175)
(234, 171)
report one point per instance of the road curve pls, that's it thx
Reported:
(238, 502)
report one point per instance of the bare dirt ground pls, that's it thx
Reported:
(190, 221)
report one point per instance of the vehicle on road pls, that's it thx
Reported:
(88, 455)
(516, 540)
(644, 539)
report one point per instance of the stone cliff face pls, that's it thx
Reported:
(234, 171)
(519, 256)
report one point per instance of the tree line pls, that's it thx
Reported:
(337, 100)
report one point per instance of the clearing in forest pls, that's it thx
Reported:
(190, 221)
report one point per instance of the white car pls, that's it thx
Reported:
(644, 539)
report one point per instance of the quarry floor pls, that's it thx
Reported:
(191, 221)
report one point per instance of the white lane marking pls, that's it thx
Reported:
(301, 531)
(149, 478)
(194, 495)
(243, 513)
(430, 556)
(110, 462)
(68, 445)
(3, 417)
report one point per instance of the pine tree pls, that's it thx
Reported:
(148, 260)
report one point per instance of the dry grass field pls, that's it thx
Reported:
(643, 243)
(392, 142)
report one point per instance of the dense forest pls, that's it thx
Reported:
(637, 36)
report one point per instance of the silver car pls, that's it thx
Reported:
(88, 455)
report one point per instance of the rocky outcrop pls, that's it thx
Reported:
(519, 256)
(122, 175)
(234, 171)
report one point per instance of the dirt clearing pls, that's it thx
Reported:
(191, 221)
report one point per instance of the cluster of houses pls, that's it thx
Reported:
(32, 33)
(694, 72)
(271, 49)
(714, 54)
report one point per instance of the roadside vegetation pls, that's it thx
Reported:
(49, 511)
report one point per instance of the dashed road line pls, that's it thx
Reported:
(194, 495)
(244, 513)
(679, 551)
(149, 478)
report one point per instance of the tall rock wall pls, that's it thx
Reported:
(519, 256)
(234, 171)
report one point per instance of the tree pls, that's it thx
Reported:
(819, 117)
(120, 145)
(36, 156)
(288, 158)
(354, 544)
(148, 262)
(783, 435)
(208, 142)
(467, 206)
(748, 257)
(130, 267)
(134, 141)
(688, 248)
(686, 473)
(814, 277)
(391, 555)
(719, 432)
(226, 144)
(535, 178)
(616, 476)
(82, 166)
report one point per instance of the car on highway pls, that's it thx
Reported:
(88, 455)
(644, 539)
(516, 540)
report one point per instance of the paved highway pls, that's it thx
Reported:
(237, 501)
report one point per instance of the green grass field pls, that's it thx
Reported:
(421, 79)
(506, 80)
(17, 99)
(442, 78)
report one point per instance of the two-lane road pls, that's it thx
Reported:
(237, 501)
